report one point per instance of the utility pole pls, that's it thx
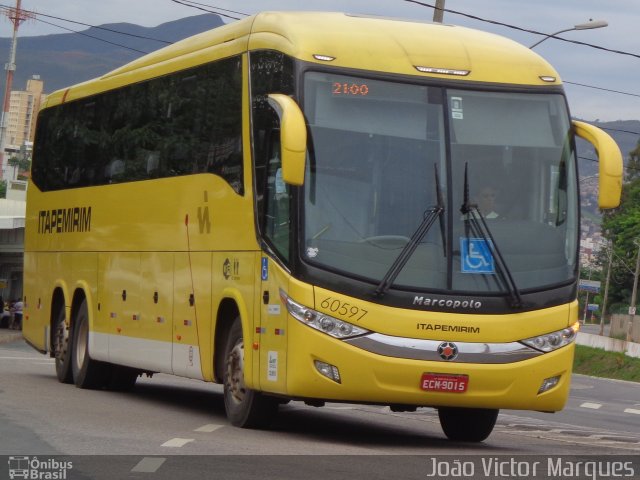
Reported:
(586, 303)
(438, 11)
(17, 16)
(606, 287)
(632, 308)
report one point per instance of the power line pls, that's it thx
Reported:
(91, 36)
(618, 130)
(603, 89)
(218, 8)
(521, 29)
(37, 14)
(595, 160)
(195, 5)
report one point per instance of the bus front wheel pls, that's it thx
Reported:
(467, 424)
(245, 408)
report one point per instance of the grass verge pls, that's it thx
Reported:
(598, 363)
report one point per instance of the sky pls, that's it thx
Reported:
(575, 63)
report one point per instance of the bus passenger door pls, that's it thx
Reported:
(272, 332)
(273, 315)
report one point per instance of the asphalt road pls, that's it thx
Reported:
(169, 427)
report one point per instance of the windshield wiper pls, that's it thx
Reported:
(430, 216)
(481, 229)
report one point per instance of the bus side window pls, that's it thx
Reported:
(277, 200)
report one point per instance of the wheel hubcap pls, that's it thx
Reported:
(235, 376)
(60, 341)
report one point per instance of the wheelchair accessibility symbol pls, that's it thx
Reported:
(476, 256)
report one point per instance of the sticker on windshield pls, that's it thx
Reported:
(456, 108)
(476, 256)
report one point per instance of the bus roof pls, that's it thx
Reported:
(353, 41)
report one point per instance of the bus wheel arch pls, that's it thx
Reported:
(227, 314)
(61, 337)
(245, 407)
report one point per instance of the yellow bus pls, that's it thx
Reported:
(316, 206)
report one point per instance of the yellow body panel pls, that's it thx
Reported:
(399, 46)
(413, 323)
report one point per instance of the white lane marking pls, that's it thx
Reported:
(632, 410)
(594, 406)
(210, 427)
(177, 442)
(149, 464)
(21, 358)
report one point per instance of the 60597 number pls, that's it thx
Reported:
(343, 309)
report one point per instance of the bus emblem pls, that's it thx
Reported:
(231, 269)
(448, 351)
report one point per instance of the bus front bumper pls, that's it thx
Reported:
(324, 368)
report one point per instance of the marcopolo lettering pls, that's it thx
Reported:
(447, 303)
(65, 220)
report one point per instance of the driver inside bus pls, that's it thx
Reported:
(487, 203)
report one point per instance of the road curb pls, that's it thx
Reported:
(9, 336)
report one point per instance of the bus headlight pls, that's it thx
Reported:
(554, 340)
(321, 321)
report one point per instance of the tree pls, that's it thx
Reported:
(622, 227)
(633, 165)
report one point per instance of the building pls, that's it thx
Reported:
(12, 215)
(18, 140)
(23, 110)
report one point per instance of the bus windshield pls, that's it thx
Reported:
(377, 152)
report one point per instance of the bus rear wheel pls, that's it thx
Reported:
(245, 408)
(87, 373)
(467, 424)
(62, 347)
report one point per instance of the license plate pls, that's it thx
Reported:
(442, 382)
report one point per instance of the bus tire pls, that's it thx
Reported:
(245, 408)
(467, 424)
(87, 373)
(62, 337)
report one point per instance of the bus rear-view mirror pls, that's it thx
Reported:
(610, 163)
(293, 138)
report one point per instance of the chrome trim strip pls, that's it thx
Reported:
(468, 352)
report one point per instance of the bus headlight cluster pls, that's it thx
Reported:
(320, 321)
(554, 340)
